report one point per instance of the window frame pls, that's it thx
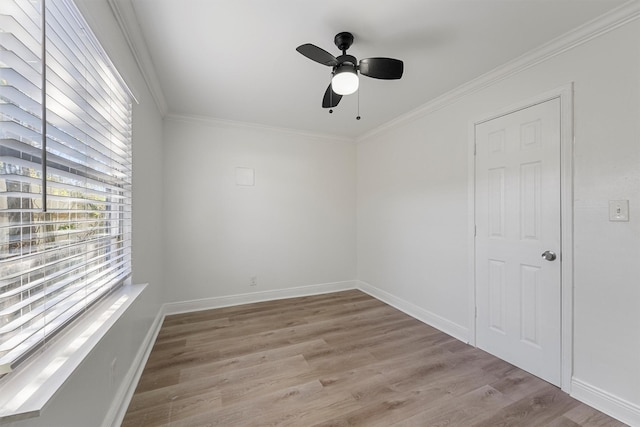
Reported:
(73, 19)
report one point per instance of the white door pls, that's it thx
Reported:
(518, 291)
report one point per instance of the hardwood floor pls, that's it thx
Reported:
(338, 359)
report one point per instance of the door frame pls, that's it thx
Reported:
(565, 95)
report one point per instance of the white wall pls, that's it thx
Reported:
(295, 227)
(413, 205)
(86, 397)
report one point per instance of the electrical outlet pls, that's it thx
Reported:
(618, 210)
(253, 281)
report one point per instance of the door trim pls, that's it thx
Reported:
(565, 94)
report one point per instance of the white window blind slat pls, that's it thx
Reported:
(21, 21)
(23, 75)
(80, 48)
(88, 179)
(71, 275)
(13, 283)
(62, 313)
(74, 148)
(36, 264)
(65, 155)
(55, 262)
(71, 108)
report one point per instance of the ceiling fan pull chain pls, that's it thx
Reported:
(358, 116)
(330, 98)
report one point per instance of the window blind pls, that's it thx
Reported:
(65, 227)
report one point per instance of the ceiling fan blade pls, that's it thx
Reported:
(331, 99)
(382, 68)
(317, 54)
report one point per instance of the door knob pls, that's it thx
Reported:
(549, 255)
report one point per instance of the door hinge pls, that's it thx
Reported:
(476, 315)
(475, 149)
(475, 231)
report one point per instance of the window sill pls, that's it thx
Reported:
(26, 391)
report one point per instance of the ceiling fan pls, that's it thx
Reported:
(344, 80)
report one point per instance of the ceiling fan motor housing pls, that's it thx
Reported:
(346, 60)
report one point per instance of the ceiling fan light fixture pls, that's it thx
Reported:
(345, 68)
(345, 80)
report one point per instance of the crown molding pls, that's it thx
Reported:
(126, 16)
(597, 27)
(210, 121)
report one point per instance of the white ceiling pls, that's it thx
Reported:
(236, 59)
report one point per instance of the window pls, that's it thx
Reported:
(65, 227)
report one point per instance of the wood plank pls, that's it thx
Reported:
(336, 359)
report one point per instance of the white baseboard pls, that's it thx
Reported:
(606, 402)
(231, 300)
(448, 327)
(120, 403)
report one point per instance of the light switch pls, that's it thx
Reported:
(618, 210)
(245, 177)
